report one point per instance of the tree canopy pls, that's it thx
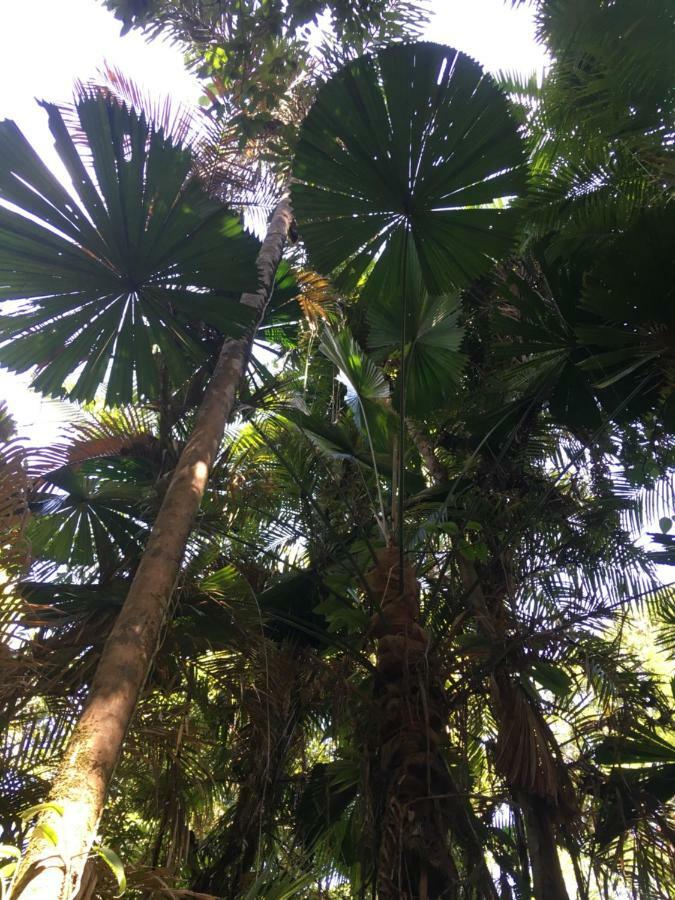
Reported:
(346, 577)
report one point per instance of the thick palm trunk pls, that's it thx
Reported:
(83, 779)
(411, 780)
(416, 801)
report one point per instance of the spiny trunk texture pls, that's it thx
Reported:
(53, 872)
(412, 787)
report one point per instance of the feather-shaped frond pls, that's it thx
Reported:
(317, 297)
(178, 122)
(125, 431)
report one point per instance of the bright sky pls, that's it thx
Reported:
(45, 45)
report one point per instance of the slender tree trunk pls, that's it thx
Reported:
(547, 877)
(537, 801)
(51, 872)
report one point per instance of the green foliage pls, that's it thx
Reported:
(259, 60)
(433, 363)
(132, 276)
(379, 160)
(537, 396)
(114, 863)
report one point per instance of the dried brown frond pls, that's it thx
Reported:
(142, 880)
(217, 160)
(317, 297)
(526, 749)
(236, 177)
(59, 649)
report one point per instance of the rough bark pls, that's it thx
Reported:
(411, 777)
(415, 797)
(85, 773)
(426, 450)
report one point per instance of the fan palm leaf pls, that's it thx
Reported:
(119, 280)
(415, 137)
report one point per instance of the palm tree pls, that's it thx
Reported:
(410, 178)
(355, 181)
(138, 259)
(260, 63)
(398, 658)
(550, 588)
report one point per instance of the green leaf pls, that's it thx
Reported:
(475, 552)
(433, 362)
(130, 275)
(475, 643)
(7, 871)
(8, 850)
(367, 381)
(665, 524)
(40, 807)
(445, 527)
(341, 615)
(573, 402)
(115, 864)
(95, 520)
(552, 678)
(412, 140)
(637, 747)
(368, 388)
(48, 832)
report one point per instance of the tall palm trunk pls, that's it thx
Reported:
(417, 803)
(525, 754)
(547, 876)
(51, 872)
(413, 859)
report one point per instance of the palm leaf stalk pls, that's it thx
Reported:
(84, 775)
